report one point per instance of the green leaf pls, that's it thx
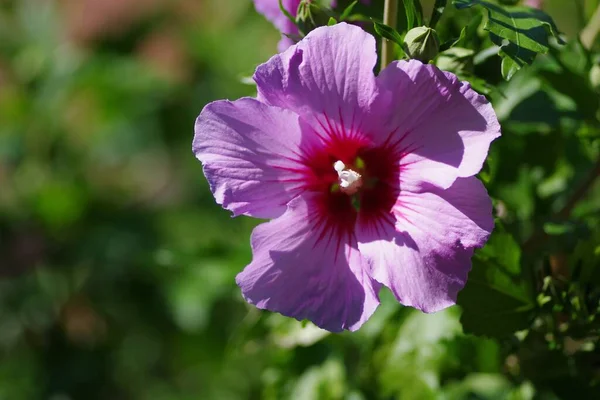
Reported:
(572, 81)
(496, 301)
(556, 228)
(413, 17)
(505, 251)
(289, 333)
(348, 10)
(325, 381)
(520, 32)
(387, 32)
(418, 351)
(331, 21)
(286, 12)
(479, 386)
(456, 59)
(509, 67)
(438, 10)
(468, 32)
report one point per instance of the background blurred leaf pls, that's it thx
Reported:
(417, 353)
(496, 300)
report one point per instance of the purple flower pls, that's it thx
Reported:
(367, 180)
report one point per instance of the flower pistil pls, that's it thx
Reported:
(350, 181)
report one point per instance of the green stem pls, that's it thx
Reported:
(580, 12)
(390, 16)
(438, 10)
(590, 32)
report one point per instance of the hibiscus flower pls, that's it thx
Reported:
(366, 180)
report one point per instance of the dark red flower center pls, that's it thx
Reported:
(374, 175)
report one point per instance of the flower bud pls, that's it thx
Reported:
(422, 43)
(456, 59)
(595, 77)
(311, 15)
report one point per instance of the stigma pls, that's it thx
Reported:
(350, 181)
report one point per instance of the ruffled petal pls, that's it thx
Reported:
(301, 273)
(440, 126)
(423, 251)
(328, 79)
(251, 155)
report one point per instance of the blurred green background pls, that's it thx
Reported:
(117, 267)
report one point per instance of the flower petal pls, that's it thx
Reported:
(298, 273)
(327, 78)
(251, 155)
(270, 9)
(423, 252)
(442, 127)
